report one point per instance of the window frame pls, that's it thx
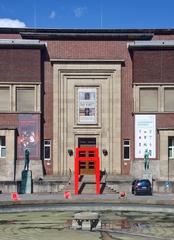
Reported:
(126, 146)
(161, 96)
(13, 96)
(47, 145)
(166, 88)
(3, 147)
(29, 88)
(9, 89)
(171, 148)
(149, 88)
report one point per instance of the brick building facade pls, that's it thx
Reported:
(60, 89)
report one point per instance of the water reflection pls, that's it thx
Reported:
(58, 225)
(135, 225)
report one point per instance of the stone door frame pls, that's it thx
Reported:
(63, 71)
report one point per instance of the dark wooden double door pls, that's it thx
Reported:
(87, 167)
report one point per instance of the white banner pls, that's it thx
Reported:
(145, 135)
(87, 105)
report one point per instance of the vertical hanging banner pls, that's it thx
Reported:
(87, 105)
(29, 135)
(145, 135)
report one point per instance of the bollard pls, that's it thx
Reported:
(122, 195)
(67, 195)
(15, 196)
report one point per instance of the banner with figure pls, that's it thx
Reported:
(145, 135)
(29, 135)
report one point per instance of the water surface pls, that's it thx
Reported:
(115, 225)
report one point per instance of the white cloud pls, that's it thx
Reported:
(11, 23)
(78, 12)
(52, 14)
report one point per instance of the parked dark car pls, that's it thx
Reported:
(141, 186)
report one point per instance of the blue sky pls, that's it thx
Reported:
(87, 13)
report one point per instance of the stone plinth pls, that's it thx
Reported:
(26, 182)
(148, 175)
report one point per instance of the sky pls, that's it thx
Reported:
(87, 14)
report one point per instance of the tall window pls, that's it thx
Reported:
(169, 99)
(4, 99)
(2, 147)
(47, 149)
(25, 99)
(148, 99)
(171, 147)
(126, 146)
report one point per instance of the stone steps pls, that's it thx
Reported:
(109, 184)
(89, 187)
(60, 178)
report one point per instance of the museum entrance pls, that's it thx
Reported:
(86, 112)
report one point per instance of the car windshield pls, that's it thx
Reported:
(144, 183)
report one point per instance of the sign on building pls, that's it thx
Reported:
(87, 105)
(145, 135)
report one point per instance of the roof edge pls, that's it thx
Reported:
(22, 42)
(151, 44)
(54, 60)
(89, 30)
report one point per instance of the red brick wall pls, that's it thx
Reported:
(8, 120)
(153, 66)
(163, 37)
(20, 65)
(165, 120)
(9, 36)
(48, 110)
(78, 49)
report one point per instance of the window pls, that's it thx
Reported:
(148, 100)
(4, 99)
(21, 98)
(171, 147)
(25, 99)
(2, 147)
(47, 149)
(169, 99)
(126, 146)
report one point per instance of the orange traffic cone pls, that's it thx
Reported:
(15, 196)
